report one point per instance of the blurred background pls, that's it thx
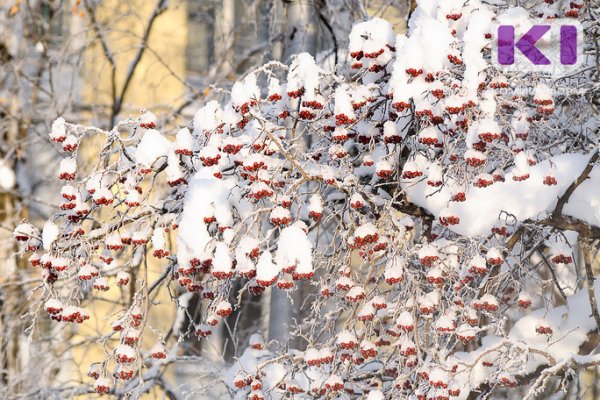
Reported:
(94, 62)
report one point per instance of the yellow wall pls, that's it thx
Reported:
(154, 88)
(153, 85)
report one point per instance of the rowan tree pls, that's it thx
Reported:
(441, 211)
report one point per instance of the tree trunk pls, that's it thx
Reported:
(224, 36)
(301, 36)
(302, 28)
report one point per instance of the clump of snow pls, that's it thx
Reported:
(58, 130)
(482, 208)
(371, 36)
(343, 103)
(303, 75)
(7, 176)
(542, 94)
(152, 147)
(67, 168)
(206, 119)
(266, 270)
(294, 248)
(50, 234)
(148, 120)
(245, 92)
(203, 194)
(184, 142)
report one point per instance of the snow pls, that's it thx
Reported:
(203, 194)
(416, 165)
(152, 147)
(494, 253)
(246, 363)
(488, 125)
(266, 270)
(184, 140)
(367, 309)
(303, 74)
(435, 273)
(428, 251)
(211, 151)
(371, 35)
(7, 176)
(389, 129)
(122, 276)
(242, 93)
(383, 167)
(405, 319)
(158, 239)
(488, 299)
(334, 381)
(584, 203)
(365, 230)
(71, 142)
(102, 193)
(343, 103)
(60, 263)
(87, 271)
(125, 350)
(430, 42)
(222, 258)
(148, 119)
(101, 283)
(466, 330)
(430, 299)
(478, 261)
(483, 206)
(312, 354)
(93, 183)
(113, 240)
(141, 235)
(53, 304)
(355, 292)
(256, 339)
(357, 198)
(430, 133)
(375, 395)
(346, 337)
(174, 170)
(294, 248)
(405, 343)
(438, 375)
(558, 245)
(571, 324)
(103, 383)
(280, 213)
(542, 93)
(275, 87)
(58, 130)
(223, 306)
(69, 191)
(246, 245)
(214, 227)
(206, 119)
(68, 166)
(474, 41)
(456, 101)
(326, 353)
(50, 234)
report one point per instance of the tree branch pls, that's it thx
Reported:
(589, 275)
(564, 199)
(118, 104)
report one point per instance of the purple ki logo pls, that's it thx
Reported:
(526, 45)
